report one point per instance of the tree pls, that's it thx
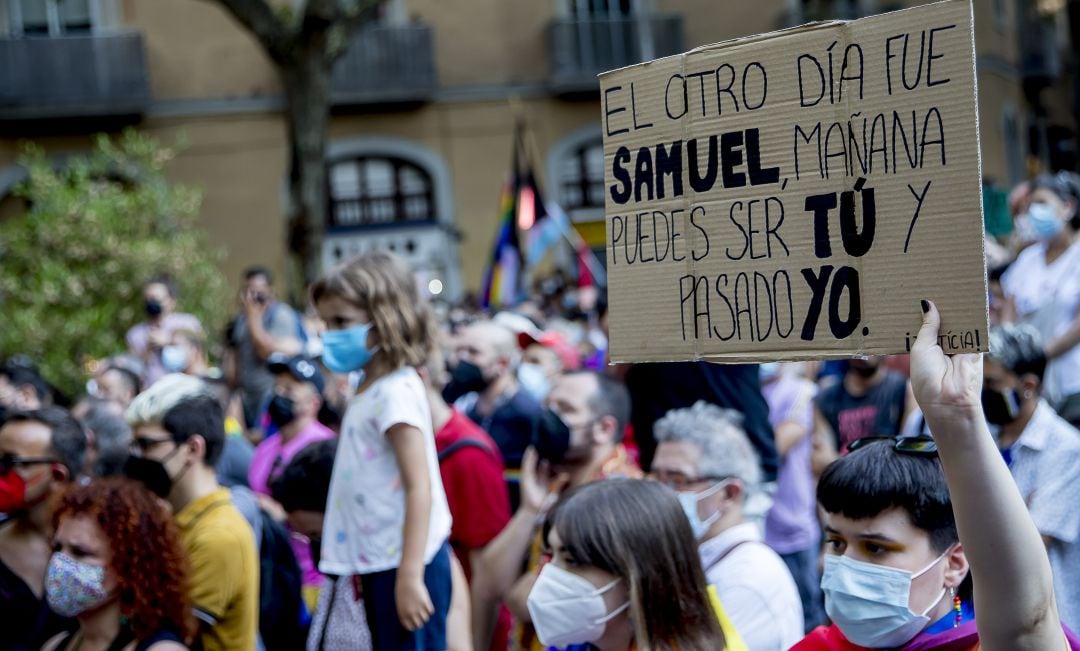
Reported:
(303, 45)
(94, 232)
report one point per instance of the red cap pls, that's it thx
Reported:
(571, 360)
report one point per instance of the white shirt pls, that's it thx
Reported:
(365, 510)
(1048, 296)
(755, 588)
(1046, 467)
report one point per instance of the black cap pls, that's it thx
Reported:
(301, 367)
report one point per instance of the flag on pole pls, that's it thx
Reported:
(502, 277)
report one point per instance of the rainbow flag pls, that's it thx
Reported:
(502, 279)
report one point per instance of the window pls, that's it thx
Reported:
(375, 190)
(581, 177)
(52, 17)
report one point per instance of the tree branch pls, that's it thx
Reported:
(339, 19)
(259, 18)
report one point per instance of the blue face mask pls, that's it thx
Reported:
(689, 501)
(1044, 221)
(345, 351)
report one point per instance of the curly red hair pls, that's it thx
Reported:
(147, 554)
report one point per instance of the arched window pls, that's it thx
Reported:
(377, 190)
(576, 173)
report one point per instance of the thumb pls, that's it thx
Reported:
(928, 333)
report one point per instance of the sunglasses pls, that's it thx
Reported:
(918, 445)
(9, 462)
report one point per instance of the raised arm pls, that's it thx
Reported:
(1014, 593)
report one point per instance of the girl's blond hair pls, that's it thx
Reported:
(381, 284)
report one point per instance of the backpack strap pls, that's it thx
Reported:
(459, 445)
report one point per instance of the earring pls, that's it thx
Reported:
(956, 607)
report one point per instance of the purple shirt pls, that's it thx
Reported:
(138, 341)
(269, 460)
(791, 524)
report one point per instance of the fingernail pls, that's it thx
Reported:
(925, 306)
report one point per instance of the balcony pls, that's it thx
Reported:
(386, 65)
(582, 48)
(79, 76)
(1040, 54)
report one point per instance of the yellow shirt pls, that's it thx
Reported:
(224, 571)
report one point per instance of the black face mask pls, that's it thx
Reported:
(150, 473)
(465, 378)
(153, 308)
(1000, 407)
(865, 371)
(551, 438)
(281, 410)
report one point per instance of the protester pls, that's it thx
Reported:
(265, 326)
(579, 442)
(1043, 287)
(120, 568)
(472, 475)
(179, 432)
(147, 340)
(21, 388)
(296, 400)
(869, 400)
(624, 574)
(302, 488)
(791, 526)
(1042, 450)
(705, 455)
(107, 433)
(387, 514)
(543, 359)
(897, 559)
(484, 386)
(41, 452)
(186, 353)
(656, 389)
(116, 382)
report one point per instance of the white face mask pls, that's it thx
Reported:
(869, 603)
(689, 501)
(534, 381)
(567, 609)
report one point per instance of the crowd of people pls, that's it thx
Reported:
(381, 472)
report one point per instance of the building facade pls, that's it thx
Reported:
(425, 104)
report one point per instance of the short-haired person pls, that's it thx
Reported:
(543, 358)
(147, 340)
(117, 383)
(903, 529)
(186, 353)
(21, 388)
(297, 398)
(302, 488)
(179, 425)
(703, 453)
(107, 433)
(1042, 450)
(119, 568)
(264, 326)
(624, 574)
(579, 441)
(41, 453)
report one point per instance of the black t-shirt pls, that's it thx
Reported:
(657, 388)
(26, 622)
(511, 425)
(878, 413)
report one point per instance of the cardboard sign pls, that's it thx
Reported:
(794, 195)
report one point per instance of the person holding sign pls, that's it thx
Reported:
(897, 560)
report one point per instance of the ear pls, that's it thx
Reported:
(1029, 385)
(604, 432)
(197, 445)
(734, 491)
(60, 473)
(956, 566)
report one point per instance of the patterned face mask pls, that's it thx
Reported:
(73, 587)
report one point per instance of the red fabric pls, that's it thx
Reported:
(825, 638)
(475, 487)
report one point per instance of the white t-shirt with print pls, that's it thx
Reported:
(365, 510)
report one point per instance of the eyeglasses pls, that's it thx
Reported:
(918, 445)
(9, 461)
(143, 444)
(679, 482)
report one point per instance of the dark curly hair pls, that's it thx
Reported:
(148, 557)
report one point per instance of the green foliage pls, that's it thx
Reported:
(72, 268)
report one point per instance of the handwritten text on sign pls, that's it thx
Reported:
(795, 195)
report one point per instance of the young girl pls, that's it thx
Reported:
(387, 519)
